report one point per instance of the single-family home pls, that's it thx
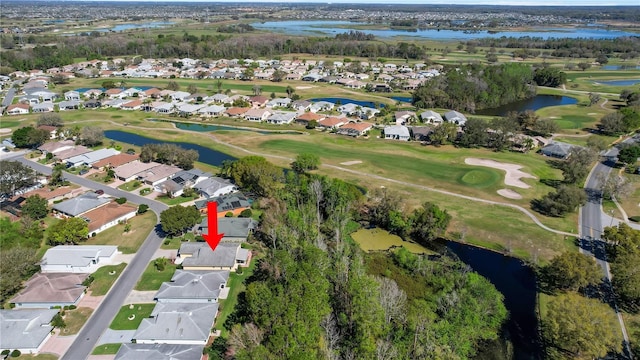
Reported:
(132, 105)
(214, 187)
(236, 111)
(396, 132)
(91, 157)
(130, 351)
(158, 174)
(258, 101)
(43, 107)
(52, 130)
(404, 117)
(301, 105)
(235, 229)
(257, 114)
(92, 104)
(46, 290)
(192, 286)
(17, 109)
(219, 98)
(189, 109)
(69, 105)
(179, 95)
(79, 205)
(332, 122)
(306, 118)
(281, 117)
(231, 203)
(71, 152)
(72, 95)
(115, 161)
(177, 323)
(130, 171)
(557, 149)
(77, 258)
(321, 106)
(212, 110)
(55, 195)
(25, 330)
(199, 256)
(355, 129)
(107, 216)
(279, 102)
(455, 117)
(431, 117)
(421, 133)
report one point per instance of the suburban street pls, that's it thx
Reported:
(593, 221)
(99, 321)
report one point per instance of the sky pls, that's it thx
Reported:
(439, 2)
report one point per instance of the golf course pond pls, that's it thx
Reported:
(376, 239)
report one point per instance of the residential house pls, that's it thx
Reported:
(355, 129)
(219, 98)
(77, 258)
(17, 109)
(404, 117)
(79, 205)
(431, 117)
(71, 152)
(158, 174)
(90, 157)
(92, 104)
(397, 132)
(115, 161)
(162, 107)
(421, 133)
(130, 171)
(236, 111)
(109, 215)
(557, 149)
(199, 256)
(279, 102)
(115, 93)
(212, 110)
(130, 351)
(321, 106)
(177, 323)
(214, 186)
(72, 95)
(235, 229)
(301, 105)
(43, 107)
(233, 203)
(179, 95)
(332, 122)
(46, 290)
(307, 117)
(455, 117)
(69, 105)
(189, 109)
(52, 130)
(132, 105)
(257, 114)
(189, 286)
(25, 330)
(281, 117)
(54, 195)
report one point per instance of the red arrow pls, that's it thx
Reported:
(212, 238)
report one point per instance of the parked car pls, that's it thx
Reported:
(100, 192)
(83, 171)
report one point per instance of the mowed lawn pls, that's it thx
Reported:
(130, 316)
(104, 278)
(574, 118)
(152, 279)
(127, 242)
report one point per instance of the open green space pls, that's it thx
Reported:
(75, 320)
(104, 277)
(574, 118)
(381, 240)
(9, 123)
(171, 201)
(130, 316)
(106, 349)
(152, 278)
(127, 242)
(130, 186)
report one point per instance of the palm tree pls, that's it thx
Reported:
(527, 144)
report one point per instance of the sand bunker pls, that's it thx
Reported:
(5, 131)
(510, 194)
(304, 87)
(513, 176)
(354, 162)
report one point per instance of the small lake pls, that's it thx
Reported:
(146, 25)
(620, 67)
(208, 128)
(377, 239)
(516, 281)
(207, 156)
(332, 28)
(342, 101)
(619, 82)
(535, 103)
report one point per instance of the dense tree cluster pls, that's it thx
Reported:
(15, 176)
(50, 119)
(625, 264)
(178, 219)
(474, 87)
(167, 153)
(570, 271)
(255, 174)
(566, 199)
(355, 35)
(69, 231)
(622, 121)
(29, 137)
(314, 293)
(91, 136)
(236, 28)
(305, 162)
(548, 76)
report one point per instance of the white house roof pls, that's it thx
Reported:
(77, 255)
(129, 351)
(25, 329)
(430, 114)
(135, 167)
(399, 130)
(81, 204)
(193, 285)
(178, 321)
(211, 185)
(93, 156)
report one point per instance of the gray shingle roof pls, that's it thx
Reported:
(81, 204)
(159, 352)
(231, 227)
(202, 255)
(24, 329)
(193, 285)
(77, 255)
(178, 321)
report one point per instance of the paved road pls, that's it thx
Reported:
(8, 99)
(591, 224)
(99, 321)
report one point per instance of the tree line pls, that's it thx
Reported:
(475, 87)
(172, 154)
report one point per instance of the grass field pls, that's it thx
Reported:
(127, 242)
(152, 279)
(75, 319)
(381, 240)
(103, 279)
(130, 316)
(106, 349)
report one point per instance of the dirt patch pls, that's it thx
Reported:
(513, 172)
(354, 162)
(304, 87)
(509, 194)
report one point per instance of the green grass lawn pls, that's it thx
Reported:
(100, 177)
(236, 286)
(152, 279)
(137, 311)
(75, 319)
(129, 242)
(103, 280)
(175, 200)
(130, 186)
(106, 349)
(10, 123)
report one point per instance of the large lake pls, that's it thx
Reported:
(535, 103)
(331, 28)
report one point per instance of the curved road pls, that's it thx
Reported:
(591, 223)
(96, 325)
